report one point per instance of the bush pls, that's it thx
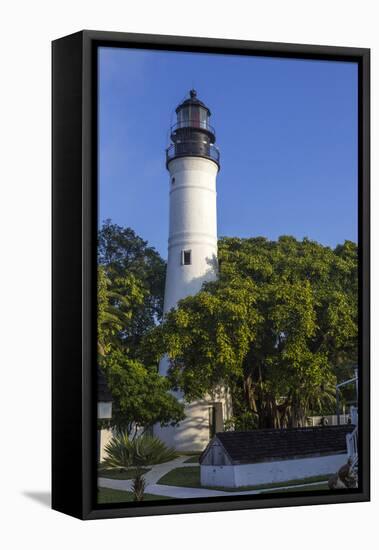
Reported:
(138, 486)
(145, 450)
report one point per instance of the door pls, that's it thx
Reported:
(212, 421)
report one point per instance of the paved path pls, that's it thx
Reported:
(156, 472)
(159, 470)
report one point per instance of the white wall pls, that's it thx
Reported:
(193, 225)
(217, 476)
(270, 472)
(105, 438)
(25, 173)
(332, 419)
(192, 434)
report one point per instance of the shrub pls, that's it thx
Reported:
(138, 486)
(145, 450)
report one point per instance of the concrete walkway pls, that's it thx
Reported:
(159, 470)
(152, 477)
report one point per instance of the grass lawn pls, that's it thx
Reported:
(189, 453)
(111, 496)
(318, 487)
(119, 473)
(182, 477)
(192, 459)
(190, 477)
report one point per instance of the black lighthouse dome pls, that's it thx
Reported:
(192, 135)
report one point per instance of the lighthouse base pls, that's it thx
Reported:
(203, 419)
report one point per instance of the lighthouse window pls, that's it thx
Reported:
(203, 118)
(184, 117)
(186, 257)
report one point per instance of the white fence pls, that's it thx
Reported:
(331, 420)
(352, 446)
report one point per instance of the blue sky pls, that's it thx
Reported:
(287, 131)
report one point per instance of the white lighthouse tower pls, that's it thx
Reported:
(193, 162)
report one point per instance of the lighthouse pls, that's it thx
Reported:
(193, 162)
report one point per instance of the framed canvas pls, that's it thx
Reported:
(210, 275)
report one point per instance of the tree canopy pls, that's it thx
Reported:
(130, 298)
(278, 327)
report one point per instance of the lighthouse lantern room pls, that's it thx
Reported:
(192, 135)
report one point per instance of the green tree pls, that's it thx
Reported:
(130, 297)
(118, 300)
(278, 327)
(141, 396)
(122, 253)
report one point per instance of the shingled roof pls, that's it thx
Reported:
(269, 445)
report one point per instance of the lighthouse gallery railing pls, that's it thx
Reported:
(193, 148)
(193, 123)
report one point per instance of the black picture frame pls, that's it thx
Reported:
(74, 205)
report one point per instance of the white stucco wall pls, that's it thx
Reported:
(192, 434)
(105, 437)
(270, 472)
(193, 226)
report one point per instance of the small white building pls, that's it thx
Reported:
(240, 459)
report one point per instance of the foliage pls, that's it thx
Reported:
(122, 252)
(145, 450)
(279, 327)
(119, 299)
(114, 496)
(138, 486)
(130, 299)
(141, 396)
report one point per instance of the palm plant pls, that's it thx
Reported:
(138, 486)
(306, 400)
(144, 450)
(117, 298)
